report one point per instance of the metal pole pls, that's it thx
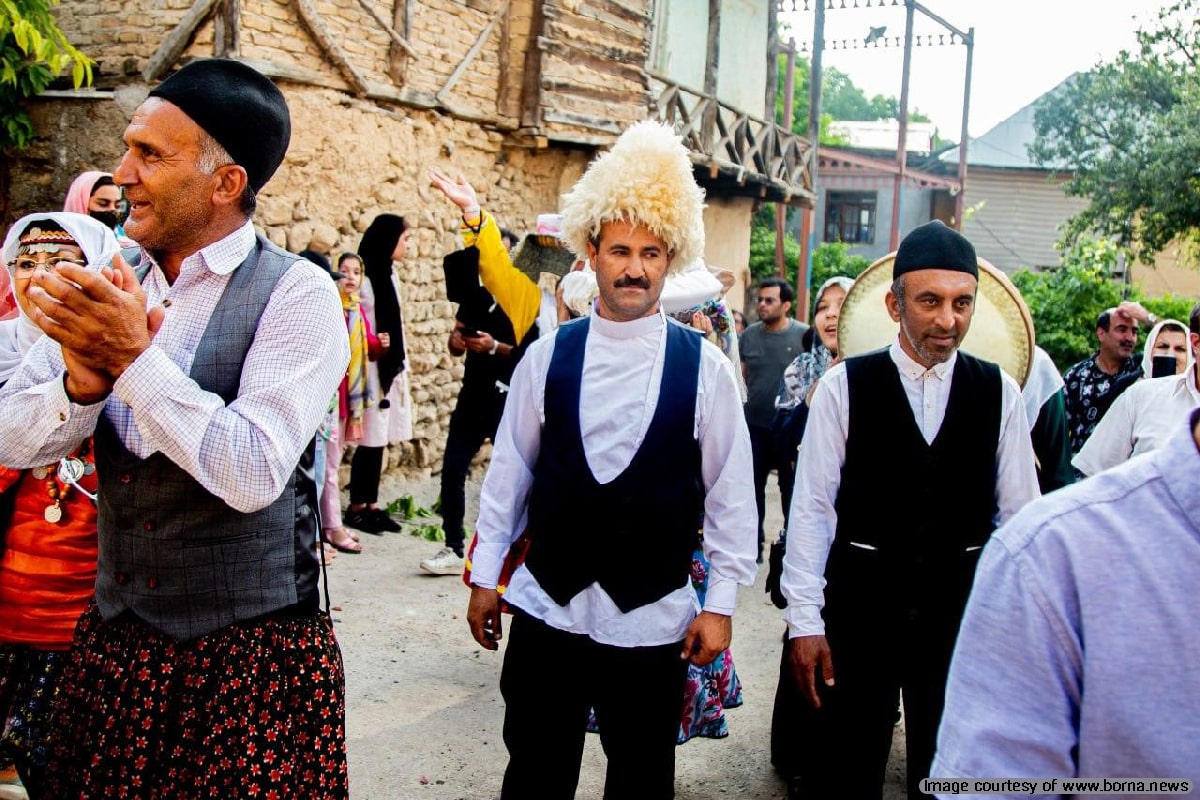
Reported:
(789, 91)
(960, 200)
(808, 244)
(901, 146)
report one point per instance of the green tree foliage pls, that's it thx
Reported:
(828, 259)
(1128, 134)
(33, 52)
(840, 100)
(1065, 302)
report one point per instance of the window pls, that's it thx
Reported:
(850, 217)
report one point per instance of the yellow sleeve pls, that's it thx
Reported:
(517, 294)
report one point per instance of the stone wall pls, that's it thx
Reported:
(349, 160)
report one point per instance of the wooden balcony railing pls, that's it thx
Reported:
(766, 159)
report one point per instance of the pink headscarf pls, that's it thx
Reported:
(80, 192)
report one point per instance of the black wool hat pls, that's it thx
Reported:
(935, 246)
(239, 107)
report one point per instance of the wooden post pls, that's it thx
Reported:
(709, 126)
(902, 145)
(531, 85)
(226, 30)
(810, 224)
(398, 53)
(789, 94)
(960, 199)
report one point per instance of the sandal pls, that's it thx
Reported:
(340, 540)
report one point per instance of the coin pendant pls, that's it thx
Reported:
(40, 472)
(53, 513)
(70, 470)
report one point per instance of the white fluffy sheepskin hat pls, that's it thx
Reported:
(645, 179)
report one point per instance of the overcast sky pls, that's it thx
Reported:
(1023, 48)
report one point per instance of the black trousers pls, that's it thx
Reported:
(876, 662)
(549, 681)
(366, 466)
(473, 422)
(767, 457)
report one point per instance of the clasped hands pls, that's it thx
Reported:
(100, 320)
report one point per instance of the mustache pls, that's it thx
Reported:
(625, 280)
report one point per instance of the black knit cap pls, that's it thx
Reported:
(239, 107)
(935, 246)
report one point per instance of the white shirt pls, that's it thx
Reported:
(1142, 419)
(812, 522)
(244, 452)
(622, 369)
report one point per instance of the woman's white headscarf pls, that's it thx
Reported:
(1148, 352)
(99, 245)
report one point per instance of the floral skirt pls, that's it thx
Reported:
(255, 709)
(27, 681)
(708, 690)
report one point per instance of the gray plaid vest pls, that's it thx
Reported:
(171, 552)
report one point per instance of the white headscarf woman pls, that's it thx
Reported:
(98, 244)
(1171, 349)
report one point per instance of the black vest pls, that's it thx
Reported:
(176, 555)
(912, 515)
(635, 535)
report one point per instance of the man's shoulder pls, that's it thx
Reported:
(1079, 513)
(1079, 367)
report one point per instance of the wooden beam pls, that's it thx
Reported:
(227, 30)
(397, 55)
(504, 61)
(177, 40)
(531, 88)
(473, 52)
(383, 23)
(316, 26)
(711, 63)
(595, 123)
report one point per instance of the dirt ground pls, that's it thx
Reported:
(424, 713)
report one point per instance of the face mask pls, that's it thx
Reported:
(110, 219)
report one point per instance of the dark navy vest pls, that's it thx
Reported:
(177, 556)
(913, 515)
(635, 535)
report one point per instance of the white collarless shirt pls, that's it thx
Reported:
(812, 522)
(622, 370)
(1143, 418)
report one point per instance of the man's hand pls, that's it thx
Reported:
(459, 192)
(707, 637)
(479, 344)
(84, 385)
(385, 340)
(702, 323)
(483, 615)
(100, 317)
(1133, 310)
(807, 655)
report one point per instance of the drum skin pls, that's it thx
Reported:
(1001, 327)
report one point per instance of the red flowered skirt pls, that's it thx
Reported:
(254, 710)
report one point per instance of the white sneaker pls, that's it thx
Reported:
(446, 562)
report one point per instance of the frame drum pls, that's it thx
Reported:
(1001, 328)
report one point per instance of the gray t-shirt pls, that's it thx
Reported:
(766, 355)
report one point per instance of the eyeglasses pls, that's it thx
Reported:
(24, 267)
